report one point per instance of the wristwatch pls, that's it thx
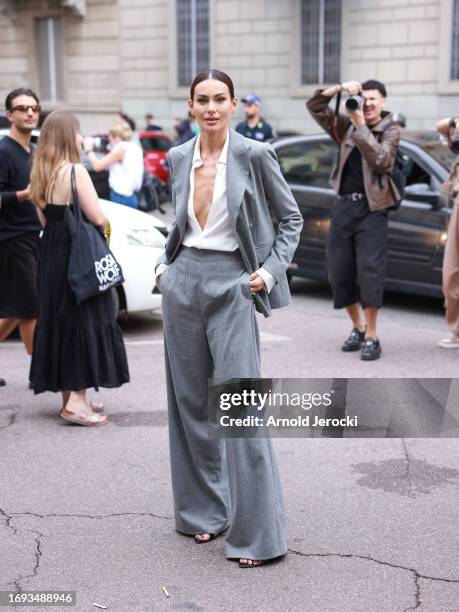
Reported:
(107, 231)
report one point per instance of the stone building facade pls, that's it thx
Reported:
(137, 54)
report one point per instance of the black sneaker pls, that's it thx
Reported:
(2, 382)
(371, 349)
(354, 342)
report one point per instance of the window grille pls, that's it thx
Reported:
(192, 39)
(320, 41)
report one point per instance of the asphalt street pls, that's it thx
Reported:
(372, 522)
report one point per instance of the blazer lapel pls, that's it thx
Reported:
(237, 173)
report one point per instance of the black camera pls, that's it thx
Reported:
(353, 103)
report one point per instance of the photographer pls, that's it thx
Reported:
(368, 141)
(449, 129)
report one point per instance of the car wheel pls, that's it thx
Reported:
(115, 303)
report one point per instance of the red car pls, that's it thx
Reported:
(155, 146)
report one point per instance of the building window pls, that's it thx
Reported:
(455, 42)
(320, 41)
(192, 39)
(48, 38)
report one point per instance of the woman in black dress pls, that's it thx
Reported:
(76, 346)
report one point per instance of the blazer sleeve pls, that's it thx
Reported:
(162, 259)
(286, 211)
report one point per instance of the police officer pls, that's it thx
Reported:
(254, 126)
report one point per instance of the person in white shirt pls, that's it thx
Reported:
(223, 260)
(124, 163)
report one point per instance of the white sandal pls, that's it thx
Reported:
(96, 406)
(89, 420)
(450, 343)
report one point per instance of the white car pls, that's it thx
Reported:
(34, 139)
(137, 240)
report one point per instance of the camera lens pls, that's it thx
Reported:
(353, 103)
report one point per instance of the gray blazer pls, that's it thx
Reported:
(257, 195)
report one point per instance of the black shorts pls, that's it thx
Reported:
(356, 253)
(18, 277)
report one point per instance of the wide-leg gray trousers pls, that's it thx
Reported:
(210, 332)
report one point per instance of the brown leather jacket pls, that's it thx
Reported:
(377, 145)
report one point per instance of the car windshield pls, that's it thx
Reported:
(430, 143)
(155, 143)
(440, 153)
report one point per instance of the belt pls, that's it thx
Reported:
(355, 197)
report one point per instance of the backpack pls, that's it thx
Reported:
(148, 196)
(398, 174)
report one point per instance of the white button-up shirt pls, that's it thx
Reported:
(218, 234)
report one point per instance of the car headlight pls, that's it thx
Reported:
(145, 237)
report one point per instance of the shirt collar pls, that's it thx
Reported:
(197, 151)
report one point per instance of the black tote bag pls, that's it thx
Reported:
(93, 268)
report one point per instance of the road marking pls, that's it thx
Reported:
(264, 337)
(267, 337)
(142, 342)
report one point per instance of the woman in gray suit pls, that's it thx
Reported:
(223, 260)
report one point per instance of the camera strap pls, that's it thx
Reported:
(335, 128)
(338, 103)
(335, 118)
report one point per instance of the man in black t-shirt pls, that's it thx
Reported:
(254, 126)
(19, 223)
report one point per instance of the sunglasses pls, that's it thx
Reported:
(24, 108)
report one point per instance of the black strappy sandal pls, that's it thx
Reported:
(212, 537)
(259, 562)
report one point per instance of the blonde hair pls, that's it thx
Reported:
(56, 145)
(121, 131)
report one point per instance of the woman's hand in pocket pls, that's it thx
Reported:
(256, 283)
(161, 269)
